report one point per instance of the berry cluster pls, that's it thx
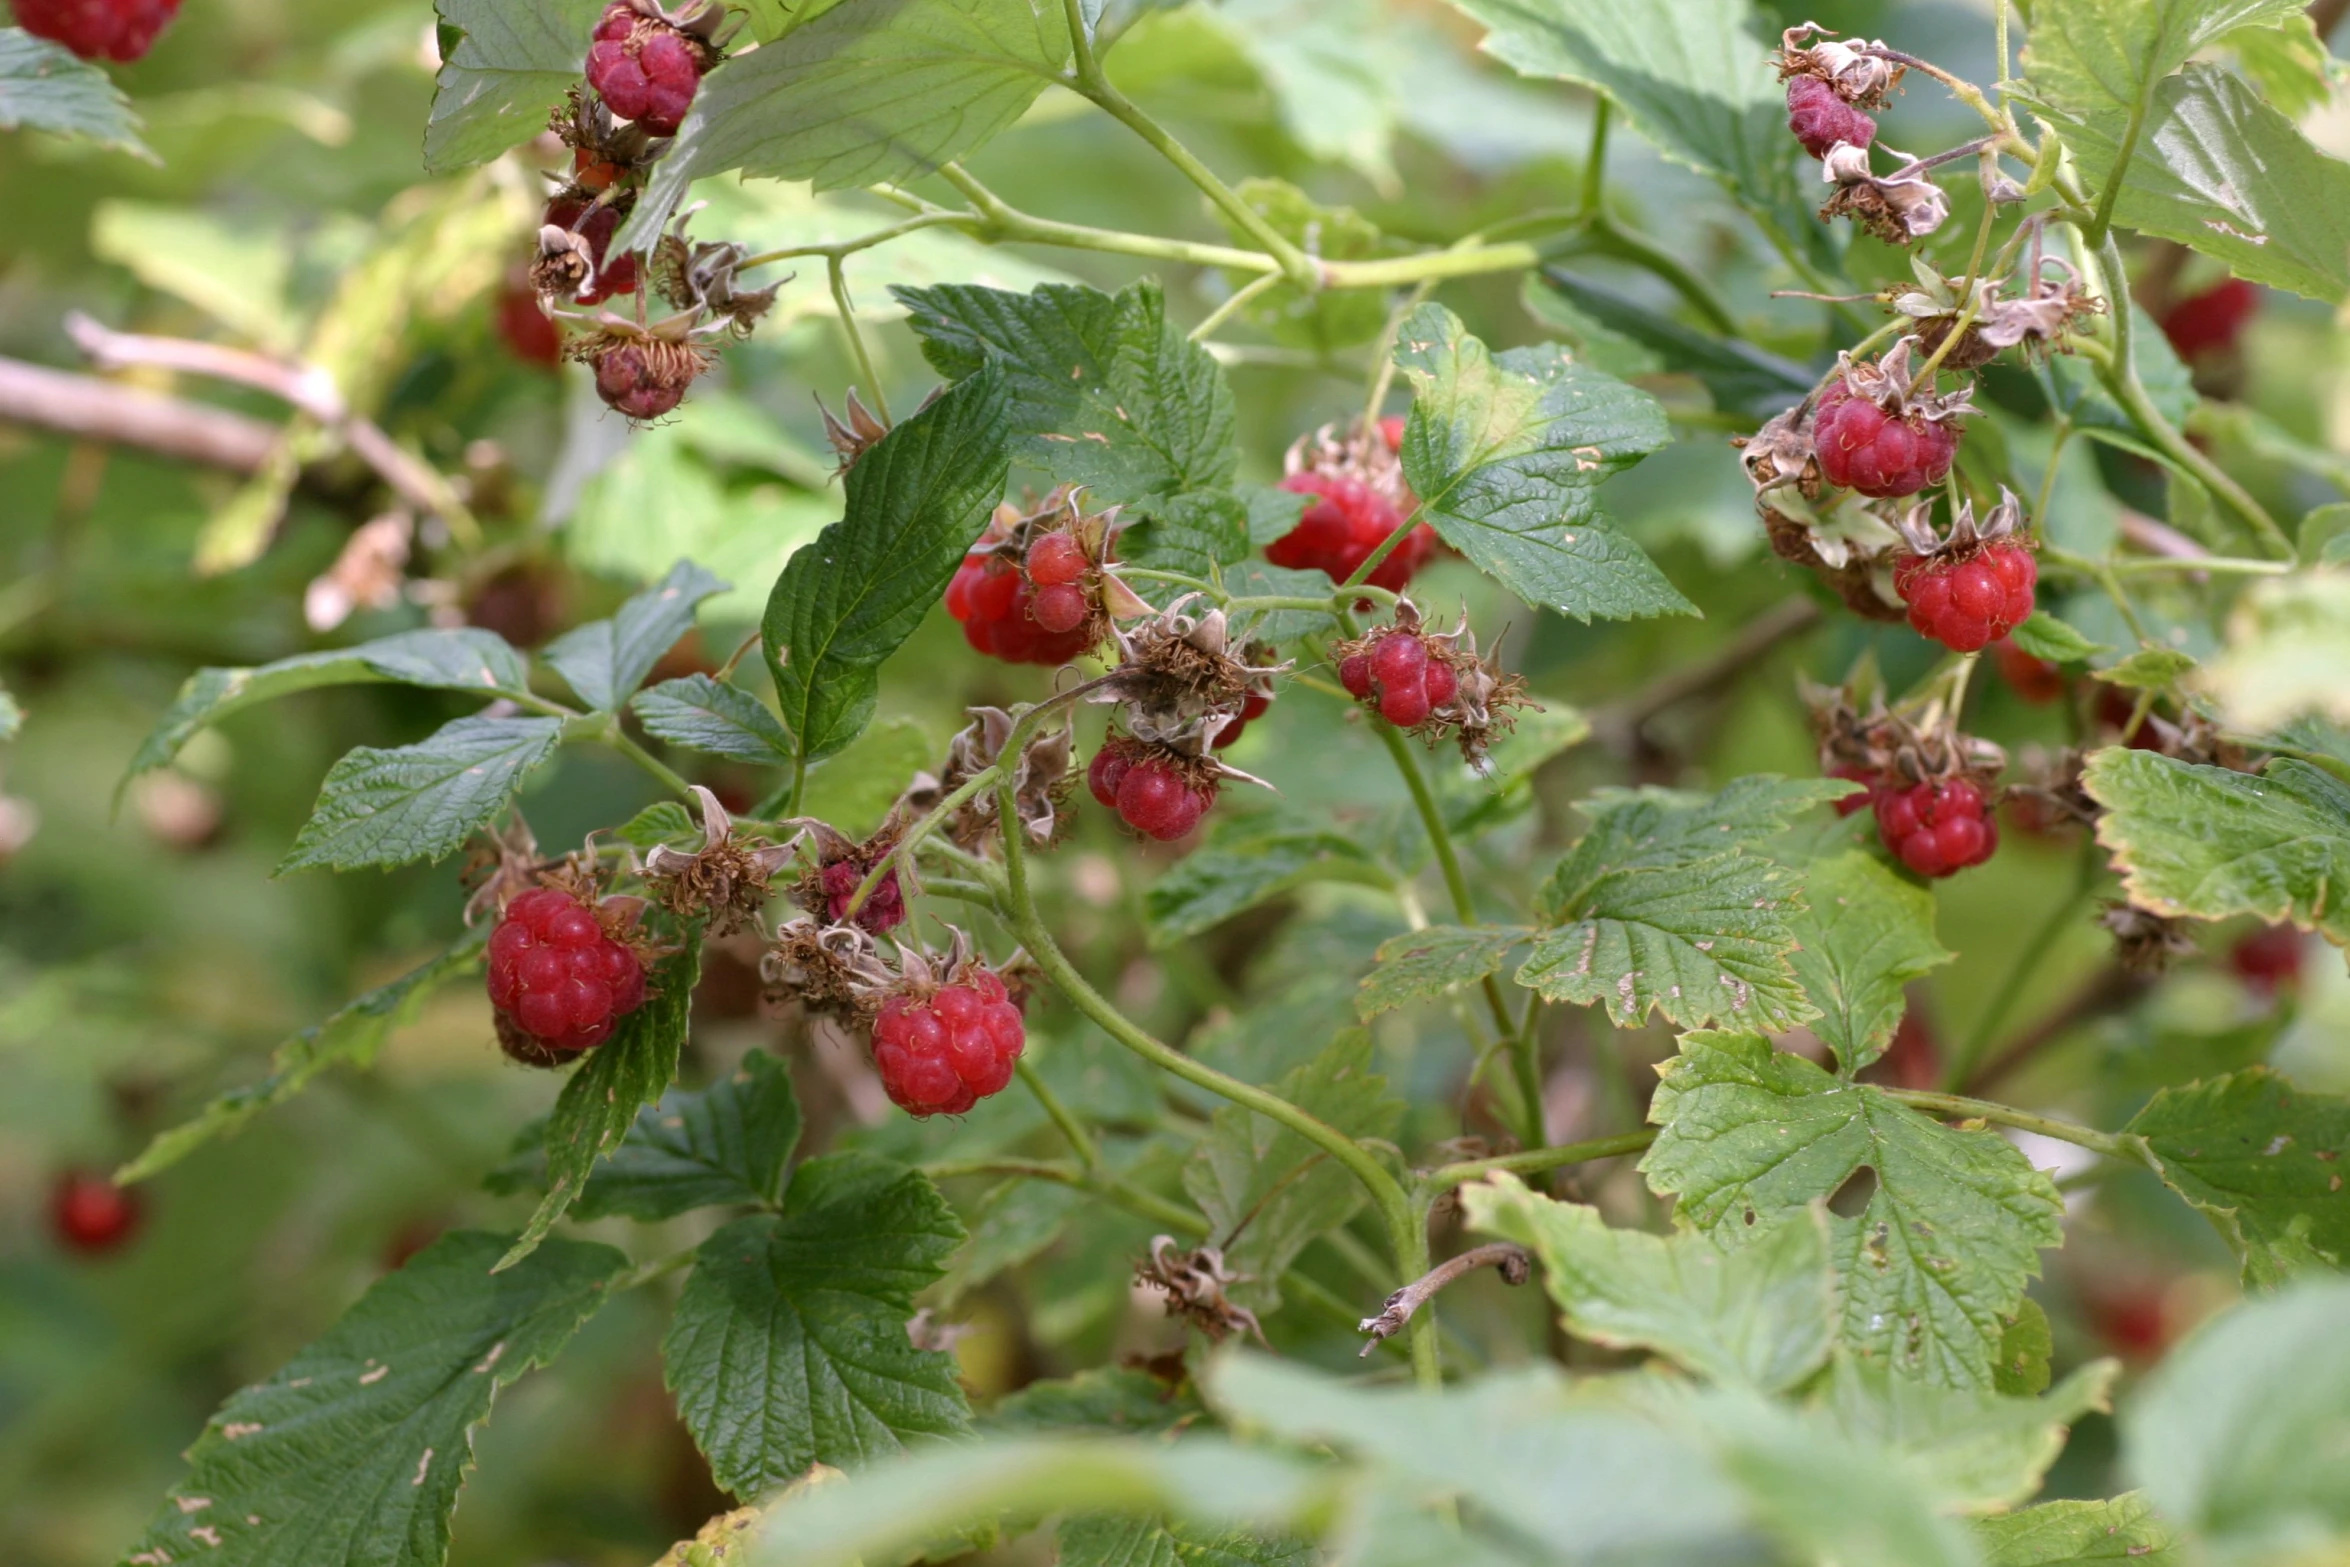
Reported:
(89, 1214)
(1345, 521)
(1398, 676)
(1151, 787)
(1936, 828)
(645, 67)
(1820, 119)
(1965, 602)
(98, 29)
(1002, 612)
(558, 979)
(941, 1052)
(1881, 452)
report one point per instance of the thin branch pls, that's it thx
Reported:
(1515, 1262)
(1620, 723)
(2110, 991)
(90, 409)
(1445, 1177)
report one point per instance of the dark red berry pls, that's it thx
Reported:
(1354, 673)
(1912, 1060)
(645, 69)
(1055, 560)
(2211, 320)
(1859, 775)
(1108, 769)
(1967, 602)
(1400, 678)
(98, 29)
(530, 334)
(1156, 800)
(557, 977)
(943, 1054)
(1339, 529)
(2117, 710)
(2035, 679)
(1862, 447)
(1059, 608)
(883, 909)
(90, 1214)
(595, 223)
(640, 376)
(2268, 960)
(997, 608)
(1936, 828)
(1252, 706)
(1820, 119)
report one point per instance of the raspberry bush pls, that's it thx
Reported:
(1551, 785)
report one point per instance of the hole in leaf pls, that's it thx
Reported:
(1852, 1198)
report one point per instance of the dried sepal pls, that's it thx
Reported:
(704, 277)
(1891, 383)
(1042, 780)
(1482, 706)
(854, 436)
(583, 123)
(1844, 541)
(564, 266)
(1859, 72)
(1179, 666)
(1891, 746)
(707, 25)
(830, 970)
(1194, 1283)
(1781, 455)
(725, 881)
(2145, 942)
(1897, 208)
(501, 865)
(2005, 521)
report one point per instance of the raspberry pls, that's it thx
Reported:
(1157, 801)
(1859, 775)
(642, 377)
(1936, 828)
(556, 978)
(98, 29)
(1004, 617)
(2268, 960)
(883, 909)
(1346, 521)
(90, 1214)
(530, 334)
(1862, 447)
(1400, 678)
(1056, 560)
(1391, 431)
(944, 1055)
(2035, 679)
(1820, 119)
(596, 225)
(645, 69)
(1252, 707)
(2203, 322)
(1108, 769)
(1966, 602)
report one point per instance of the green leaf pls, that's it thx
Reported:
(1864, 934)
(226, 265)
(45, 87)
(353, 1037)
(1740, 376)
(2062, 1534)
(1266, 1191)
(1013, 1224)
(2239, 1436)
(1246, 860)
(1255, 579)
(789, 1346)
(1760, 1315)
(2149, 669)
(2288, 643)
(1974, 1449)
(605, 660)
(1937, 1260)
(664, 821)
(418, 802)
(869, 92)
(705, 714)
(845, 603)
(728, 1144)
(1329, 320)
(1154, 1542)
(2208, 843)
(855, 789)
(2103, 56)
(2222, 172)
(352, 1455)
(2289, 63)
(1507, 451)
(462, 660)
(1108, 1398)
(1106, 392)
(2264, 1161)
(2027, 1346)
(599, 1104)
(2045, 636)
(1423, 964)
(513, 64)
(2324, 536)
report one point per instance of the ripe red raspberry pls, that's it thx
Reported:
(943, 1055)
(1862, 447)
(1108, 768)
(2211, 320)
(1156, 800)
(1820, 119)
(1966, 602)
(2035, 679)
(1004, 617)
(645, 69)
(1398, 676)
(90, 1214)
(556, 977)
(98, 29)
(1859, 775)
(1346, 521)
(1252, 707)
(596, 225)
(529, 333)
(1391, 431)
(1936, 828)
(2268, 960)
(884, 909)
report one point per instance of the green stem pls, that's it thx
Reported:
(931, 218)
(904, 848)
(2218, 565)
(849, 329)
(2102, 223)
(2114, 1145)
(619, 741)
(646, 1273)
(998, 221)
(1233, 305)
(1595, 155)
(1080, 1142)
(1445, 1177)
(2064, 431)
(2036, 950)
(1146, 1204)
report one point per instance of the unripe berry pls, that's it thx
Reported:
(557, 977)
(1936, 828)
(1820, 119)
(1339, 529)
(884, 908)
(1967, 602)
(98, 29)
(1862, 447)
(941, 1054)
(89, 1214)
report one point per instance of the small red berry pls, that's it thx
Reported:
(1108, 769)
(1938, 828)
(1862, 447)
(641, 376)
(92, 1215)
(1967, 602)
(1156, 800)
(530, 334)
(2268, 960)
(2035, 679)
(1391, 431)
(557, 977)
(1859, 775)
(1000, 613)
(1354, 673)
(1056, 559)
(98, 29)
(883, 909)
(1339, 529)
(646, 70)
(1820, 119)
(2213, 319)
(943, 1055)
(1059, 608)
(1400, 677)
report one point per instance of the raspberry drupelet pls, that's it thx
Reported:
(557, 977)
(942, 1054)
